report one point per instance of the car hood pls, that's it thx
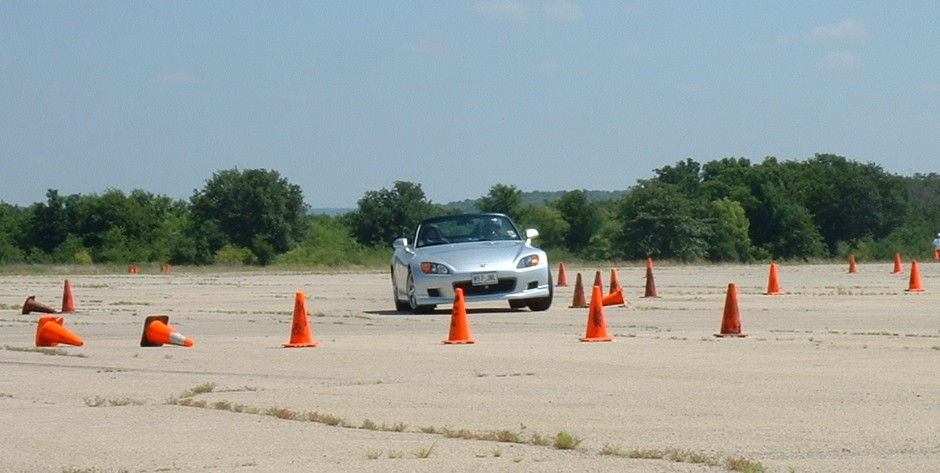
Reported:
(464, 256)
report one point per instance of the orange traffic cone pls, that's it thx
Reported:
(579, 301)
(301, 336)
(598, 279)
(157, 331)
(773, 285)
(731, 319)
(165, 268)
(68, 303)
(132, 269)
(853, 265)
(614, 298)
(597, 321)
(31, 305)
(562, 276)
(898, 269)
(650, 282)
(459, 325)
(914, 284)
(614, 281)
(50, 332)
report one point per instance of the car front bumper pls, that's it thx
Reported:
(512, 285)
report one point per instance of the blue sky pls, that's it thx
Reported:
(344, 97)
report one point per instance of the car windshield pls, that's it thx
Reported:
(465, 228)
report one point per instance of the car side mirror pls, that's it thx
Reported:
(400, 243)
(531, 233)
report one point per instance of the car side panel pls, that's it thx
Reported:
(401, 261)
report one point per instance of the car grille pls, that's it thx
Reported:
(504, 285)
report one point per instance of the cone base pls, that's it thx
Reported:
(777, 293)
(585, 306)
(56, 344)
(730, 335)
(301, 345)
(459, 342)
(651, 297)
(598, 339)
(913, 290)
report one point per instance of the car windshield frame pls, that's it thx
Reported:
(466, 228)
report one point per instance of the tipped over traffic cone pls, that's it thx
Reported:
(898, 269)
(614, 281)
(731, 319)
(562, 276)
(914, 285)
(459, 325)
(773, 284)
(301, 336)
(650, 282)
(853, 265)
(32, 305)
(68, 303)
(614, 298)
(597, 321)
(579, 301)
(50, 332)
(157, 331)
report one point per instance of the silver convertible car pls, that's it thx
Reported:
(484, 254)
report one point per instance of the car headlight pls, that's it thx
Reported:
(528, 261)
(434, 268)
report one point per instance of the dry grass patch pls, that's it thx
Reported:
(45, 351)
(197, 390)
(99, 401)
(424, 452)
(739, 464)
(566, 441)
(130, 303)
(563, 440)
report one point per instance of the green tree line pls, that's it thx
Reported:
(727, 210)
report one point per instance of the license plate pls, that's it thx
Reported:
(484, 279)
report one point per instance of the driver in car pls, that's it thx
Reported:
(491, 230)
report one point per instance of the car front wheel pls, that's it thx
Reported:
(544, 303)
(400, 306)
(413, 298)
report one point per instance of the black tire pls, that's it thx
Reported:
(544, 303)
(401, 306)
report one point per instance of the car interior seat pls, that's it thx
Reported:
(431, 235)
